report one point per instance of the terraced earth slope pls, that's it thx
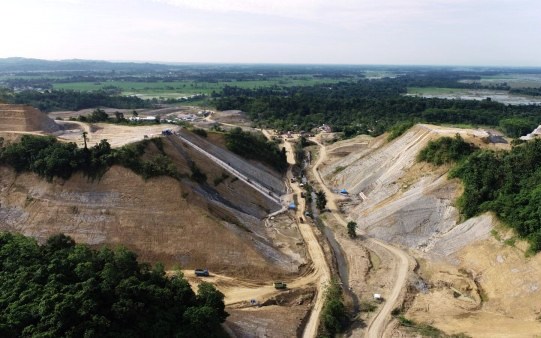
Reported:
(20, 118)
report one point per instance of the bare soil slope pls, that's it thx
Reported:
(393, 197)
(487, 289)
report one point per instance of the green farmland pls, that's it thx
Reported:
(176, 89)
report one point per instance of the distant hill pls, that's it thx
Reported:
(17, 64)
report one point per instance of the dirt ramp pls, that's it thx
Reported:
(25, 118)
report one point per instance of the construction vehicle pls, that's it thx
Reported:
(280, 285)
(202, 272)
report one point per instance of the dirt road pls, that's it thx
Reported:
(399, 266)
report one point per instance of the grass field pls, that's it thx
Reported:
(184, 88)
(433, 90)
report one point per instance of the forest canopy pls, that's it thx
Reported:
(63, 289)
(373, 106)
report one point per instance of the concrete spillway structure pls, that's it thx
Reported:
(19, 118)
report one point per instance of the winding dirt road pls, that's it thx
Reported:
(322, 271)
(399, 267)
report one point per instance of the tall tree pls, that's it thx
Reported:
(352, 229)
(321, 200)
(85, 138)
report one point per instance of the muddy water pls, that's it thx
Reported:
(343, 271)
(496, 95)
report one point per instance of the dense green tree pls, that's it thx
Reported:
(516, 127)
(352, 229)
(321, 200)
(53, 100)
(333, 315)
(374, 106)
(63, 289)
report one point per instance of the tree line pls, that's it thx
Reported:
(57, 100)
(49, 158)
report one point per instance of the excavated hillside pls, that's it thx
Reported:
(181, 222)
(21, 118)
(393, 197)
(470, 281)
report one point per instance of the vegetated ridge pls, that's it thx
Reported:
(505, 182)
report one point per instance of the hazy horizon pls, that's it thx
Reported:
(179, 63)
(483, 33)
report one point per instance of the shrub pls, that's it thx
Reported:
(399, 129)
(333, 315)
(200, 132)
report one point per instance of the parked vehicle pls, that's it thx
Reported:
(280, 285)
(202, 272)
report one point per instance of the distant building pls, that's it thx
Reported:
(144, 118)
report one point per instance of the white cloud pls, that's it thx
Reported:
(347, 12)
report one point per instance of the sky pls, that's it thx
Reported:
(399, 32)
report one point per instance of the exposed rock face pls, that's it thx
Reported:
(25, 118)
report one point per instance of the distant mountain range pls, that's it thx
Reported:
(18, 64)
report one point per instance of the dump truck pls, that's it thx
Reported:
(280, 285)
(202, 272)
